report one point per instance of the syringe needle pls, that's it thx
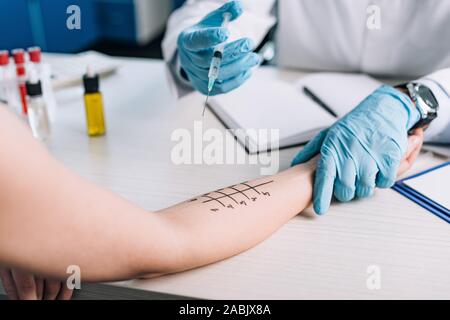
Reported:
(204, 107)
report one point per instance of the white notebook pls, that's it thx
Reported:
(434, 185)
(268, 102)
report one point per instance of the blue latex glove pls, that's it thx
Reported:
(196, 46)
(363, 149)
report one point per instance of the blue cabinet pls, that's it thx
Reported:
(117, 20)
(26, 23)
(14, 13)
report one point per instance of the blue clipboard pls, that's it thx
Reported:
(426, 203)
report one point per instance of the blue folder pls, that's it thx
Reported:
(432, 206)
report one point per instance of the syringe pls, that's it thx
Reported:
(216, 62)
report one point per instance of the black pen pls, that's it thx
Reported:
(317, 100)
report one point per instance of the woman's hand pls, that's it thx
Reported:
(415, 142)
(20, 285)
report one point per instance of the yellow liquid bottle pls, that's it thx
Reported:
(93, 101)
(94, 114)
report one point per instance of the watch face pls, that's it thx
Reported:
(427, 96)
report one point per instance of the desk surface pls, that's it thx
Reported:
(310, 257)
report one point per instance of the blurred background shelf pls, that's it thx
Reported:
(115, 27)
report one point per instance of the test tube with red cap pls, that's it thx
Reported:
(4, 58)
(8, 81)
(4, 61)
(35, 54)
(19, 60)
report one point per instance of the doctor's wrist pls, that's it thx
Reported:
(413, 112)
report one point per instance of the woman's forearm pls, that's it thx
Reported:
(51, 218)
(228, 221)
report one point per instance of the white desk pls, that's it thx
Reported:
(310, 257)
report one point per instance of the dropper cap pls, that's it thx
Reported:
(34, 87)
(91, 81)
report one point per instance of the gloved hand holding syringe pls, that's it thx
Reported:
(209, 61)
(216, 61)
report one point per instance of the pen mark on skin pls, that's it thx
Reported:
(251, 188)
(212, 199)
(223, 193)
(243, 193)
(234, 193)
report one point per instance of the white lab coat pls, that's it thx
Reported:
(410, 39)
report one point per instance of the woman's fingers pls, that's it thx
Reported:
(39, 288)
(52, 289)
(8, 284)
(20, 285)
(415, 142)
(25, 285)
(65, 293)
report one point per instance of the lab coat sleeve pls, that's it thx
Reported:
(439, 83)
(255, 22)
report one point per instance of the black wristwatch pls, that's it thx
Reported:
(425, 102)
